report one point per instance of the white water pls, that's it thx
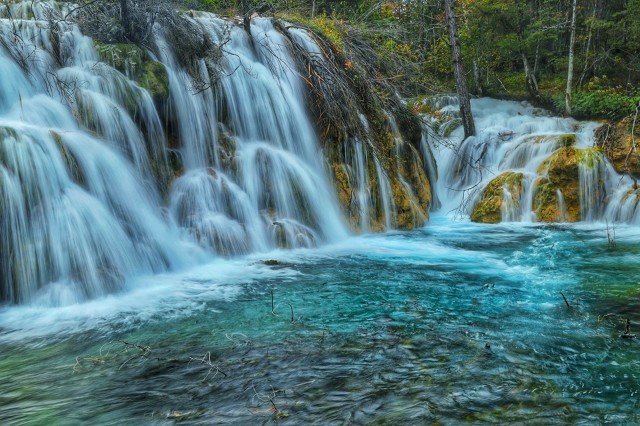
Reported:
(89, 199)
(517, 137)
(84, 161)
(78, 219)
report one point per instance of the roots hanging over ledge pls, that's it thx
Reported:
(370, 137)
(377, 169)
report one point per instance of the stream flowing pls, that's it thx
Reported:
(230, 289)
(386, 328)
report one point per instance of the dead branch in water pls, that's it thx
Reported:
(206, 360)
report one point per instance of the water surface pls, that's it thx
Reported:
(386, 329)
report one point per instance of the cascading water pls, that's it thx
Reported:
(527, 166)
(273, 190)
(76, 221)
(108, 176)
(116, 160)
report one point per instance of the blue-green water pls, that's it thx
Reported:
(387, 329)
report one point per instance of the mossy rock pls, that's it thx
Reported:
(489, 208)
(134, 62)
(617, 142)
(545, 202)
(561, 167)
(562, 173)
(155, 79)
(412, 203)
(567, 140)
(341, 179)
(125, 57)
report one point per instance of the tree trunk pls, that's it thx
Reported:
(586, 52)
(572, 43)
(126, 19)
(458, 72)
(532, 83)
(476, 77)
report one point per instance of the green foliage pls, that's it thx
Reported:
(122, 56)
(599, 104)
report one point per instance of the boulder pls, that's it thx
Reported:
(489, 208)
(617, 142)
(560, 172)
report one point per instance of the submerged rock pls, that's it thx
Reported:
(490, 207)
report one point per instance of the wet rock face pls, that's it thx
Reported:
(489, 208)
(380, 189)
(546, 203)
(134, 62)
(617, 142)
(411, 191)
(562, 174)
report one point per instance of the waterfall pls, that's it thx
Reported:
(565, 177)
(102, 179)
(79, 213)
(272, 190)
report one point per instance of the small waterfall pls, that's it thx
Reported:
(562, 207)
(565, 177)
(510, 206)
(430, 165)
(272, 190)
(592, 174)
(385, 196)
(363, 195)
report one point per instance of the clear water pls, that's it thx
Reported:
(387, 329)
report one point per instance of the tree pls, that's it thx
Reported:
(458, 71)
(572, 43)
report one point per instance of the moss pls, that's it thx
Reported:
(134, 62)
(545, 201)
(562, 173)
(331, 29)
(345, 192)
(489, 208)
(589, 157)
(561, 166)
(155, 79)
(126, 58)
(567, 140)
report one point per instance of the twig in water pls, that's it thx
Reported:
(611, 236)
(206, 359)
(565, 300)
(627, 330)
(271, 398)
(145, 351)
(292, 320)
(272, 306)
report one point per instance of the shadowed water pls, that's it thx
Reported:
(388, 328)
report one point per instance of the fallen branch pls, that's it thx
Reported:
(206, 360)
